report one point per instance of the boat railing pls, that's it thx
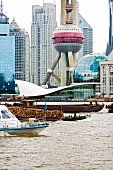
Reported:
(37, 121)
(16, 124)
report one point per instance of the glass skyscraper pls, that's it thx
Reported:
(22, 51)
(110, 42)
(88, 37)
(7, 56)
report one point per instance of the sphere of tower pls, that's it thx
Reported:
(67, 38)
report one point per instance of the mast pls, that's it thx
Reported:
(1, 7)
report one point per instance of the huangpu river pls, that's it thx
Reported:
(77, 145)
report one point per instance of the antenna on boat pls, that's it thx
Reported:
(45, 108)
(1, 7)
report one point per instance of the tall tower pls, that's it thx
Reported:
(42, 52)
(7, 56)
(22, 52)
(67, 40)
(110, 42)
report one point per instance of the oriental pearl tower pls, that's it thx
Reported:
(67, 39)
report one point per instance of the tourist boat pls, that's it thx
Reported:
(10, 125)
(75, 117)
(70, 107)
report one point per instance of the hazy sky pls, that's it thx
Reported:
(95, 12)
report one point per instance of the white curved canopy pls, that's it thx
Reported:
(30, 89)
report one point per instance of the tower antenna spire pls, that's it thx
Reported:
(1, 7)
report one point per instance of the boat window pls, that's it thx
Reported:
(5, 114)
(11, 115)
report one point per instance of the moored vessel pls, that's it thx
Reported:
(10, 125)
(110, 108)
(74, 117)
(70, 107)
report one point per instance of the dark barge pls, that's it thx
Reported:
(70, 107)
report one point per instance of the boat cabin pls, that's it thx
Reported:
(7, 119)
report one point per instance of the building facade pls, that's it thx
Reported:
(87, 30)
(88, 37)
(22, 52)
(106, 78)
(7, 56)
(42, 51)
(110, 41)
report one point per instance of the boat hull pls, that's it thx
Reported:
(74, 118)
(69, 108)
(110, 108)
(28, 130)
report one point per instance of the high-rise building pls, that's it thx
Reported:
(22, 52)
(88, 36)
(87, 30)
(42, 51)
(7, 56)
(110, 42)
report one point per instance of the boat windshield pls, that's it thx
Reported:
(6, 114)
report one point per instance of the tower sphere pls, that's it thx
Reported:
(67, 38)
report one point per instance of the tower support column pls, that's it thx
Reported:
(63, 69)
(52, 67)
(71, 66)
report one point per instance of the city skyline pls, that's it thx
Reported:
(95, 12)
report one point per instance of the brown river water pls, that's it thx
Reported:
(78, 145)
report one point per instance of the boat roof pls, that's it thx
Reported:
(3, 107)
